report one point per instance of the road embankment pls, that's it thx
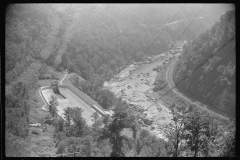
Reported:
(169, 78)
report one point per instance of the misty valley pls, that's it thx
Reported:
(120, 80)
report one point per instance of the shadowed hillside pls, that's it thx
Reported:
(217, 89)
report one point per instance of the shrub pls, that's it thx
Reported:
(55, 76)
(61, 69)
(147, 121)
(35, 132)
(48, 117)
(49, 121)
(46, 76)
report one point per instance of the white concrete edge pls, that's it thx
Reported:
(63, 78)
(40, 93)
(44, 100)
(45, 104)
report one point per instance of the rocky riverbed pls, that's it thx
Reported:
(135, 85)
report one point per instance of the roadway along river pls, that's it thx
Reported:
(170, 81)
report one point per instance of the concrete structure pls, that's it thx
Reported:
(102, 113)
(72, 97)
(54, 86)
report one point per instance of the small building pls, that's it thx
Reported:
(54, 86)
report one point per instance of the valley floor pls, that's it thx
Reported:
(135, 85)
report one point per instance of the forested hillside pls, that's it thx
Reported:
(216, 89)
(108, 37)
(95, 41)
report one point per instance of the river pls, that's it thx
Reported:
(135, 85)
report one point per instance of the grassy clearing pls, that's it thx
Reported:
(46, 82)
(74, 77)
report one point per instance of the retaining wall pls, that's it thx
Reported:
(63, 86)
(94, 107)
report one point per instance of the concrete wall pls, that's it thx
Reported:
(45, 99)
(94, 107)
(62, 86)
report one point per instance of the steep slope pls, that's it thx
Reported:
(217, 88)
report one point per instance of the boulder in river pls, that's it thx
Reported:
(147, 121)
(140, 121)
(153, 127)
(129, 87)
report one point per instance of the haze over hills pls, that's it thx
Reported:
(95, 42)
(59, 29)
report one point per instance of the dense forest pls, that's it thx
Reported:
(95, 41)
(218, 88)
